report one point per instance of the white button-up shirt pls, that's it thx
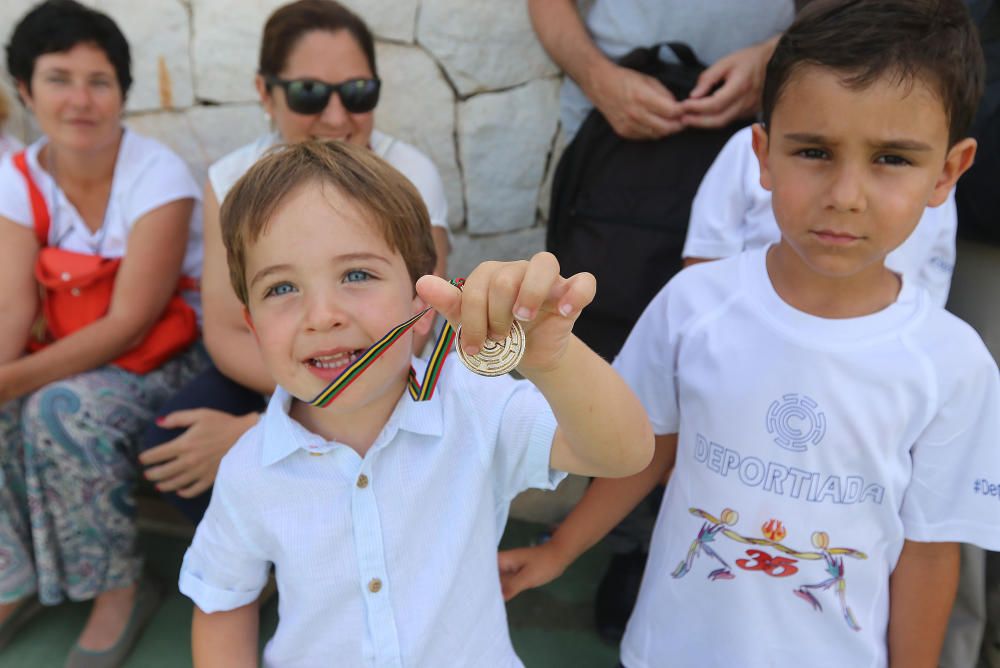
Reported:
(385, 560)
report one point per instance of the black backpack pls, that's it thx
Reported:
(620, 208)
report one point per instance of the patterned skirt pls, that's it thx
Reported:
(67, 473)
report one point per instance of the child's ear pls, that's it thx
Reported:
(248, 319)
(960, 157)
(422, 326)
(760, 147)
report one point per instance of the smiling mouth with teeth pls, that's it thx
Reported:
(336, 361)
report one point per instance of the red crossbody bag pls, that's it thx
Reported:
(77, 290)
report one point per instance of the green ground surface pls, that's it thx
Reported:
(551, 627)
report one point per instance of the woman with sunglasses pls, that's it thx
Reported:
(316, 79)
(72, 412)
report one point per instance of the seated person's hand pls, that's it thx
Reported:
(187, 465)
(637, 106)
(729, 89)
(529, 567)
(544, 302)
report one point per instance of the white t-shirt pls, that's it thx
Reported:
(147, 176)
(870, 430)
(712, 29)
(386, 560)
(732, 213)
(413, 164)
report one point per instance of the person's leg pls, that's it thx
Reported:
(964, 636)
(991, 638)
(17, 571)
(975, 294)
(209, 389)
(80, 442)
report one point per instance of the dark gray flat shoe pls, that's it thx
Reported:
(147, 600)
(25, 612)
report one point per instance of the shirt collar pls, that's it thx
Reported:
(283, 435)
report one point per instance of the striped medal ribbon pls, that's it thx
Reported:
(419, 391)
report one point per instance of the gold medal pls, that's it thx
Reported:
(496, 357)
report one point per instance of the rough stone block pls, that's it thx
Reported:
(483, 44)
(504, 139)
(418, 106)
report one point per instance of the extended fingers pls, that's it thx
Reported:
(577, 292)
(163, 472)
(442, 296)
(540, 277)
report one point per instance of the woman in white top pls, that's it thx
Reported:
(70, 419)
(316, 78)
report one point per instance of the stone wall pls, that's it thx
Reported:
(464, 80)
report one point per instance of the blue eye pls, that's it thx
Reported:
(279, 290)
(356, 275)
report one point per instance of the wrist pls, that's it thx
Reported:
(595, 81)
(563, 549)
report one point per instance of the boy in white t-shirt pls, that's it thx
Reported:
(732, 213)
(380, 514)
(829, 433)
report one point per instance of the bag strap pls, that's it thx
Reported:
(39, 210)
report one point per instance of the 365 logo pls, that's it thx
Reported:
(796, 422)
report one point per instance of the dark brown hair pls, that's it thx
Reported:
(932, 41)
(286, 26)
(388, 199)
(55, 26)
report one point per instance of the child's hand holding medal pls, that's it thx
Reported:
(511, 314)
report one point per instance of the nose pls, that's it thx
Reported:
(334, 113)
(323, 313)
(847, 191)
(80, 94)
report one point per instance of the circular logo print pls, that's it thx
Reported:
(795, 422)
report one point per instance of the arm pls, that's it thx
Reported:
(156, 247)
(601, 433)
(921, 591)
(225, 639)
(603, 429)
(637, 106)
(19, 298)
(604, 505)
(227, 337)
(188, 464)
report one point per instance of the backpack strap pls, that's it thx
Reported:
(39, 210)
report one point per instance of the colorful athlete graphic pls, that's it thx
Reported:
(834, 558)
(706, 535)
(769, 564)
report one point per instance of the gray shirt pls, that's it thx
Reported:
(713, 28)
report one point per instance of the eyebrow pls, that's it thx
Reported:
(347, 257)
(267, 271)
(889, 144)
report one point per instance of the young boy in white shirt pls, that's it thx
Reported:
(732, 213)
(831, 433)
(380, 514)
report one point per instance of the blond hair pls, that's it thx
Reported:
(387, 198)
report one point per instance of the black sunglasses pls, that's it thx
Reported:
(308, 96)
